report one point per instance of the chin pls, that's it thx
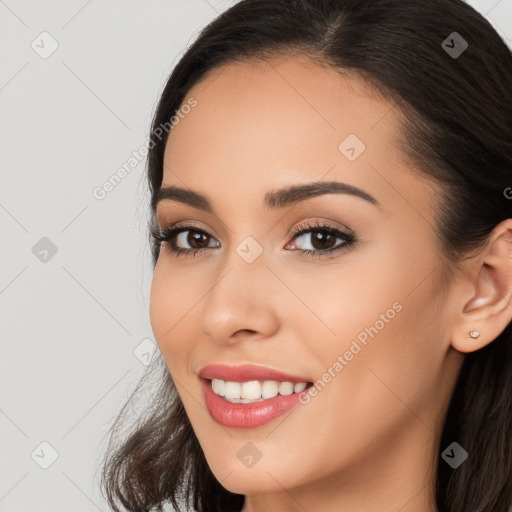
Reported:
(260, 478)
(247, 482)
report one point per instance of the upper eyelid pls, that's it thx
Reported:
(307, 226)
(312, 225)
(333, 224)
(348, 236)
(302, 228)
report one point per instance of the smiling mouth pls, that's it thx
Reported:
(254, 391)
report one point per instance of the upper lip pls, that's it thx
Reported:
(247, 372)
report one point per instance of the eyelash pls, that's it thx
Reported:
(169, 235)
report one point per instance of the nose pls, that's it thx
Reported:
(237, 334)
(241, 304)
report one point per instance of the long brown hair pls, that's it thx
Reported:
(457, 130)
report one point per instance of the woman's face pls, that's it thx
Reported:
(370, 320)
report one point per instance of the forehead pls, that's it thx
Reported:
(260, 125)
(280, 105)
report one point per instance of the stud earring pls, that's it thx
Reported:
(474, 334)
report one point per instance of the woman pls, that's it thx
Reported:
(332, 245)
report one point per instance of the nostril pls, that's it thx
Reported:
(243, 331)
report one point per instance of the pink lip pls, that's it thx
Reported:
(253, 414)
(247, 415)
(247, 372)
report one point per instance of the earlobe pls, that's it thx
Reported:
(488, 312)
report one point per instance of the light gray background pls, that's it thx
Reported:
(73, 326)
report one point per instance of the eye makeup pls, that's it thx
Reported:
(173, 234)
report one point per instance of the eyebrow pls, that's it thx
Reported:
(273, 200)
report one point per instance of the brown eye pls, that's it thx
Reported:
(317, 240)
(184, 240)
(196, 239)
(321, 239)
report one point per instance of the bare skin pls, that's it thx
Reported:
(369, 439)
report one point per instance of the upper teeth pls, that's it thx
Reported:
(255, 389)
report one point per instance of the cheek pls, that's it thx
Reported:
(158, 305)
(388, 364)
(170, 304)
(380, 312)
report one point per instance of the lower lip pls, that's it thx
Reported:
(247, 415)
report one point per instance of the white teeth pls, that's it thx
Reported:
(254, 390)
(232, 390)
(286, 388)
(269, 389)
(251, 389)
(218, 386)
(299, 386)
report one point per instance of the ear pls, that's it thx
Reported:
(489, 307)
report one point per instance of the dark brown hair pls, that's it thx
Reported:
(457, 130)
